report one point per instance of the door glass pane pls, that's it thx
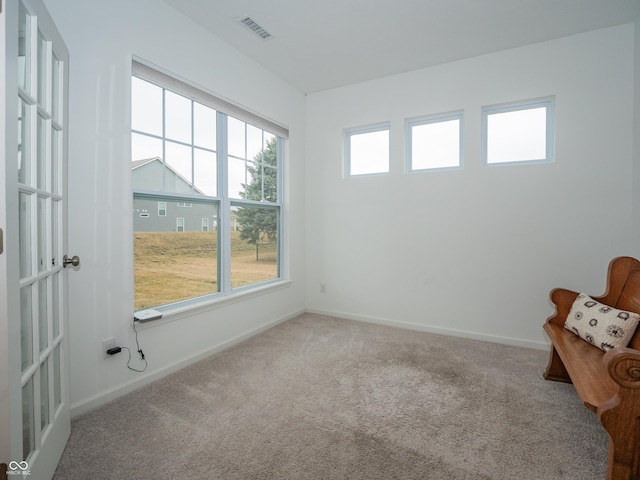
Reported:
(43, 263)
(25, 235)
(55, 254)
(43, 303)
(24, 169)
(28, 424)
(41, 157)
(43, 71)
(23, 49)
(26, 327)
(55, 303)
(55, 160)
(44, 395)
(57, 398)
(55, 86)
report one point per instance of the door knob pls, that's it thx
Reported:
(66, 261)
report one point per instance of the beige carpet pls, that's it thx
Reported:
(325, 398)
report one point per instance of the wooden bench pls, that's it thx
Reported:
(607, 383)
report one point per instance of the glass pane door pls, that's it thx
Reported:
(41, 218)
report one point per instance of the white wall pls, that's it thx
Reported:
(470, 252)
(101, 37)
(475, 251)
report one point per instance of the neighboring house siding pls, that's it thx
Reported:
(147, 175)
(146, 218)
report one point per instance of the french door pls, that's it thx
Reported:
(38, 377)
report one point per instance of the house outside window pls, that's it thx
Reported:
(213, 160)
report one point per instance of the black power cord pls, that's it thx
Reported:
(114, 350)
(140, 352)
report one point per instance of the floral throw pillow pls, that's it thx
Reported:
(603, 326)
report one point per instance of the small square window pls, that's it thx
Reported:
(435, 142)
(367, 151)
(518, 133)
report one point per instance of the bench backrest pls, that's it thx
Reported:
(629, 299)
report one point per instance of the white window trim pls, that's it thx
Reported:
(162, 209)
(348, 133)
(546, 102)
(429, 119)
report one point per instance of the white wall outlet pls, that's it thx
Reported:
(106, 345)
(323, 288)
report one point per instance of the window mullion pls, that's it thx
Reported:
(193, 151)
(224, 215)
(282, 267)
(164, 142)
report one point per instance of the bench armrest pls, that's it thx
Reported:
(562, 299)
(623, 365)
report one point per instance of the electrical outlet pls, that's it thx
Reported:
(323, 288)
(106, 345)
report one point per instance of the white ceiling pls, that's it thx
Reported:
(322, 44)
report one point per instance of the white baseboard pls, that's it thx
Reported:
(439, 330)
(87, 405)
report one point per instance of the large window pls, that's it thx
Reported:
(213, 173)
(520, 132)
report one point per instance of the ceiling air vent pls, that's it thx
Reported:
(254, 27)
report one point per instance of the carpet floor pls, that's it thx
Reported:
(319, 397)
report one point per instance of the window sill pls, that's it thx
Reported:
(177, 312)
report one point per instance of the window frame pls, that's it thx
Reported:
(351, 132)
(544, 102)
(221, 200)
(162, 209)
(429, 120)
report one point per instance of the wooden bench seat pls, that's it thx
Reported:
(585, 363)
(608, 383)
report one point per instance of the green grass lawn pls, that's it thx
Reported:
(173, 266)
